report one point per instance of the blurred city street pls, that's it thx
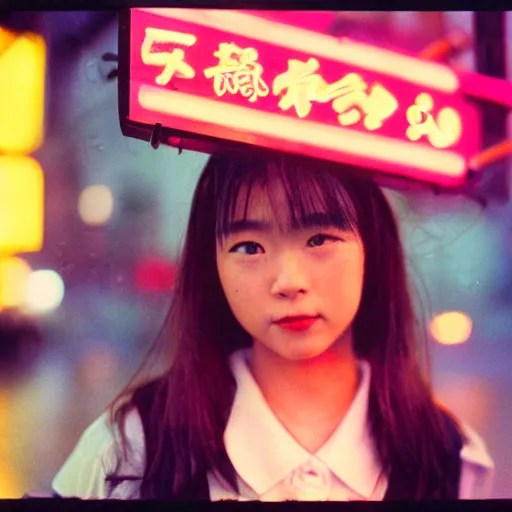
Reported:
(109, 214)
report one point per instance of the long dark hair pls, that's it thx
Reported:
(193, 396)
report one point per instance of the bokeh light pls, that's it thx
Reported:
(451, 328)
(22, 91)
(11, 480)
(44, 292)
(21, 204)
(14, 274)
(96, 205)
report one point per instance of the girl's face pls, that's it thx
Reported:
(270, 271)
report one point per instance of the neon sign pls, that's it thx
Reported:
(237, 72)
(237, 77)
(173, 62)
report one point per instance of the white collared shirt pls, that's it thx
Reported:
(270, 464)
(276, 467)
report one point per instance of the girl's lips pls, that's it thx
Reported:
(297, 323)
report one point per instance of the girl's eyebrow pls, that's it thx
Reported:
(238, 226)
(315, 220)
(324, 220)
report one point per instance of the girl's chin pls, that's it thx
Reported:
(304, 352)
(295, 348)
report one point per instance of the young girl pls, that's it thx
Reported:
(290, 358)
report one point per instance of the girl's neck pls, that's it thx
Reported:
(310, 398)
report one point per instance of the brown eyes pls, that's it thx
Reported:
(247, 248)
(252, 248)
(320, 239)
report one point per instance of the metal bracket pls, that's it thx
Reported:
(156, 136)
(111, 57)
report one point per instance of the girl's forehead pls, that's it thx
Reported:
(263, 203)
(287, 204)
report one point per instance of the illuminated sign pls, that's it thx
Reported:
(22, 98)
(235, 76)
(21, 205)
(22, 88)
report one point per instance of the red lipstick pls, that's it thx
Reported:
(297, 323)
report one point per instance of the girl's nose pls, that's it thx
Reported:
(290, 278)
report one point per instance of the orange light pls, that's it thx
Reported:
(301, 131)
(22, 87)
(443, 49)
(451, 328)
(14, 273)
(491, 155)
(6, 38)
(12, 484)
(21, 205)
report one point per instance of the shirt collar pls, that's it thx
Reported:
(264, 453)
(474, 449)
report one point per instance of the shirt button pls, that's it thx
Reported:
(310, 482)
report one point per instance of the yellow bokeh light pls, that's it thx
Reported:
(451, 328)
(12, 484)
(22, 92)
(21, 205)
(14, 273)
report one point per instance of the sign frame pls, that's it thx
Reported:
(182, 139)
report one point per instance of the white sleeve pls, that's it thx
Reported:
(96, 456)
(477, 469)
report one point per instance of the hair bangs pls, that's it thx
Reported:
(234, 196)
(297, 193)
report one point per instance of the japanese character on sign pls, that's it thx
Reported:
(441, 132)
(173, 62)
(377, 106)
(303, 86)
(237, 71)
